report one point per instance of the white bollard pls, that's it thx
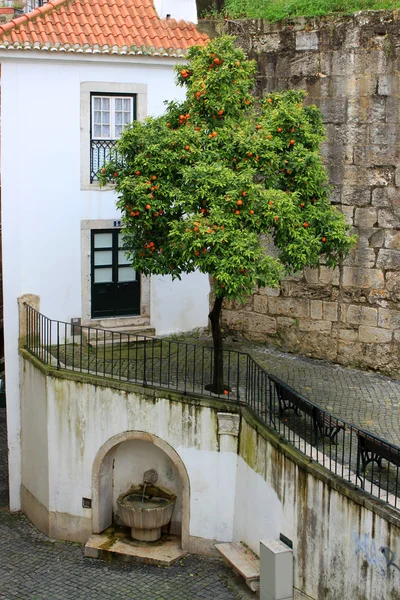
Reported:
(276, 571)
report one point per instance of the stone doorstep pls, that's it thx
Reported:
(243, 561)
(117, 546)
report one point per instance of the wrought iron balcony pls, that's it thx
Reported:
(101, 152)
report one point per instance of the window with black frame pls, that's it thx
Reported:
(110, 115)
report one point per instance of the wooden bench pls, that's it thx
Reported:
(324, 424)
(371, 449)
(243, 561)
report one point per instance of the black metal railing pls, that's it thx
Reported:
(357, 456)
(101, 152)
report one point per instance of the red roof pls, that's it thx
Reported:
(100, 26)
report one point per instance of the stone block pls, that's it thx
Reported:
(387, 218)
(334, 110)
(355, 196)
(392, 239)
(267, 43)
(261, 324)
(392, 109)
(375, 155)
(348, 335)
(375, 237)
(365, 217)
(315, 326)
(316, 309)
(330, 311)
(397, 177)
(311, 275)
(289, 307)
(389, 319)
(329, 276)
(374, 335)
(384, 197)
(267, 291)
(362, 257)
(388, 259)
(393, 281)
(358, 314)
(380, 176)
(348, 212)
(385, 134)
(232, 319)
(384, 85)
(261, 304)
(362, 278)
(307, 40)
(285, 322)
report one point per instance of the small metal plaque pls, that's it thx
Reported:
(86, 503)
(117, 223)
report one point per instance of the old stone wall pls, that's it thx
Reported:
(350, 69)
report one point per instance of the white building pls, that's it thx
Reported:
(72, 74)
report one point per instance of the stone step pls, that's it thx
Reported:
(137, 333)
(243, 561)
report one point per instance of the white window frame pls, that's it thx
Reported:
(112, 112)
(90, 89)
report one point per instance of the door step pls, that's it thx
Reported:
(100, 336)
(243, 561)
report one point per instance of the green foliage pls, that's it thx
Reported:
(199, 186)
(278, 10)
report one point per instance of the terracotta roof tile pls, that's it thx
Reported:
(116, 26)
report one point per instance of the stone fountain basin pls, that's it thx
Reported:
(145, 515)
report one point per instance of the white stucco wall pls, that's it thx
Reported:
(43, 204)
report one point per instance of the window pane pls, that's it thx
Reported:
(122, 259)
(97, 116)
(103, 257)
(105, 131)
(105, 118)
(97, 131)
(103, 275)
(118, 118)
(127, 104)
(118, 103)
(118, 130)
(97, 103)
(105, 103)
(126, 274)
(120, 240)
(103, 240)
(127, 118)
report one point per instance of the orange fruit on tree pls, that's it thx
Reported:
(279, 129)
(269, 100)
(154, 177)
(221, 112)
(252, 212)
(276, 218)
(148, 207)
(305, 224)
(324, 239)
(137, 173)
(291, 142)
(238, 212)
(239, 202)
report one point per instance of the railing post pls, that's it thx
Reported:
(23, 302)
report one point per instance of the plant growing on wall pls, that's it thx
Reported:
(202, 186)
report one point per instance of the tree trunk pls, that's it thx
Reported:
(217, 386)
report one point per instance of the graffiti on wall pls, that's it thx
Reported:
(380, 557)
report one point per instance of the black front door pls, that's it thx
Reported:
(115, 284)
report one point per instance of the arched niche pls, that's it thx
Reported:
(116, 448)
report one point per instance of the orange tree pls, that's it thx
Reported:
(200, 186)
